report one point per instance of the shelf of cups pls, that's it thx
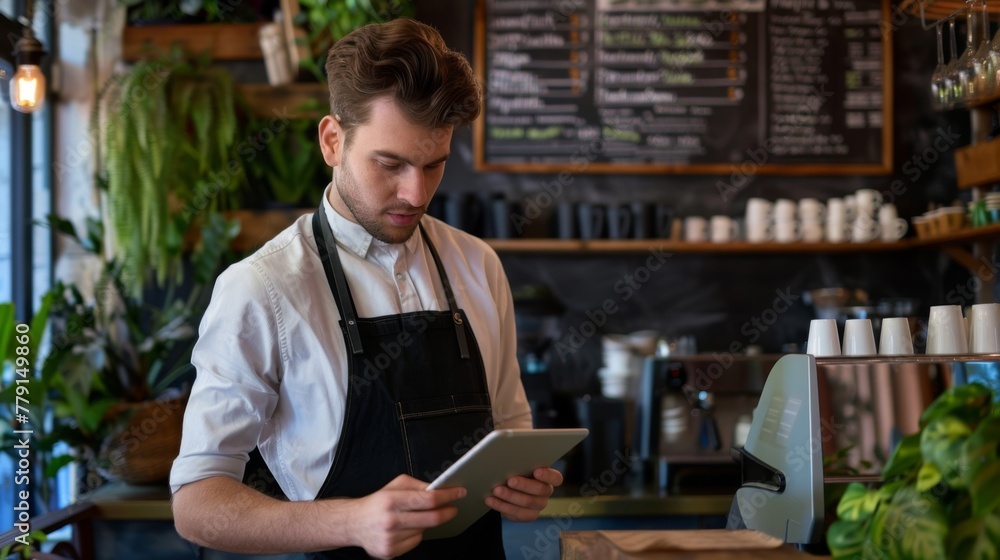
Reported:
(259, 226)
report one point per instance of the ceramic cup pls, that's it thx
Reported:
(984, 328)
(824, 340)
(695, 229)
(723, 229)
(946, 330)
(787, 231)
(891, 225)
(785, 210)
(859, 338)
(895, 338)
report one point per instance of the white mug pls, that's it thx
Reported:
(785, 210)
(893, 227)
(812, 232)
(758, 211)
(811, 210)
(836, 220)
(695, 229)
(723, 229)
(786, 231)
(758, 232)
(864, 229)
(867, 201)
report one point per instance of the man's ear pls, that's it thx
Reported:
(331, 140)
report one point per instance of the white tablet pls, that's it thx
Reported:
(497, 457)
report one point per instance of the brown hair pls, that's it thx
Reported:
(433, 85)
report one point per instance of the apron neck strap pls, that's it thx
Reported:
(334, 270)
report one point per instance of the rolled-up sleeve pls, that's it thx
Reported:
(510, 406)
(237, 358)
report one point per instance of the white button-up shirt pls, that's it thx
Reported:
(272, 363)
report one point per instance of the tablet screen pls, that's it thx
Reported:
(500, 455)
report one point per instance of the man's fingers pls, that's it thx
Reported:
(548, 476)
(520, 499)
(419, 520)
(511, 511)
(530, 486)
(406, 482)
(418, 500)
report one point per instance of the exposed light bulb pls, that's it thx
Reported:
(27, 88)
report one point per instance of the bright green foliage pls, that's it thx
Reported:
(167, 142)
(940, 496)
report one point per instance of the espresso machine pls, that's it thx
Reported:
(661, 378)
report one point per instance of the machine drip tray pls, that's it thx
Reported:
(698, 474)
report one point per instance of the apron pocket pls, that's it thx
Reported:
(437, 431)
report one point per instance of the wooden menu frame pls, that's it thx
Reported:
(884, 167)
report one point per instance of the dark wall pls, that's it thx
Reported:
(714, 297)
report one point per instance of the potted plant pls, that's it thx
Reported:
(940, 490)
(290, 169)
(210, 11)
(168, 152)
(106, 385)
(326, 21)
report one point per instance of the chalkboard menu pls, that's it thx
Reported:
(685, 86)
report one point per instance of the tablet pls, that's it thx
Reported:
(497, 457)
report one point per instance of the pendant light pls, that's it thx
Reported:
(27, 85)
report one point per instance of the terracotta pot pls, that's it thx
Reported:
(143, 452)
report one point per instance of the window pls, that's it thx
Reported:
(12, 142)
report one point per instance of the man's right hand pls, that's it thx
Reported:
(392, 520)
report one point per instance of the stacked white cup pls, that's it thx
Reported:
(865, 226)
(618, 365)
(838, 218)
(891, 225)
(984, 328)
(812, 214)
(786, 223)
(758, 222)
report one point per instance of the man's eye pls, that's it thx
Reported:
(388, 166)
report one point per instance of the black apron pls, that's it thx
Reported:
(417, 400)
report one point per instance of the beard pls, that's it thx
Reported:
(372, 219)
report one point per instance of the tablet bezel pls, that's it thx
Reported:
(498, 456)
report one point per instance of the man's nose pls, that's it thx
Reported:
(413, 189)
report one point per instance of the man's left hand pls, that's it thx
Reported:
(522, 498)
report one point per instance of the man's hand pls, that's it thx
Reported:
(522, 498)
(392, 520)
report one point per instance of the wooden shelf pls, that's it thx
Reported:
(978, 164)
(260, 225)
(286, 101)
(225, 41)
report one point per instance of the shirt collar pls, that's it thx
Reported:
(353, 236)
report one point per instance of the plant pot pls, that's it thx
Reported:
(143, 452)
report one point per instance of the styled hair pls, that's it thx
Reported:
(408, 61)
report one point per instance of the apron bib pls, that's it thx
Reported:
(417, 400)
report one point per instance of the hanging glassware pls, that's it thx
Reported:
(985, 75)
(955, 92)
(939, 86)
(967, 63)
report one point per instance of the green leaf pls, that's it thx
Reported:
(904, 458)
(57, 463)
(858, 503)
(976, 538)
(941, 443)
(6, 331)
(846, 538)
(969, 403)
(981, 465)
(928, 477)
(915, 526)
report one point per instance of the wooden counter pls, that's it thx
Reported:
(718, 544)
(123, 501)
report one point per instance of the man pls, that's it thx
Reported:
(365, 348)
